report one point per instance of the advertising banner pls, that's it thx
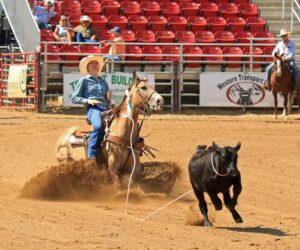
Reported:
(117, 82)
(235, 89)
(17, 79)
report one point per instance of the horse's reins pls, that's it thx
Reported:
(213, 167)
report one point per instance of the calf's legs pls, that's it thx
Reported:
(230, 204)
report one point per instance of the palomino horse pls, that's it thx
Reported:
(123, 136)
(281, 82)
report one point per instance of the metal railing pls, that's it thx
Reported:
(295, 11)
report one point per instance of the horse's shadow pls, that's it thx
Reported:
(258, 230)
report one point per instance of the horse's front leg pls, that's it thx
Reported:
(285, 100)
(275, 105)
(113, 166)
(133, 166)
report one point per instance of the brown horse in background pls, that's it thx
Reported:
(281, 82)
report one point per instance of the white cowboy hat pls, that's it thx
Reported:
(283, 32)
(86, 60)
(85, 18)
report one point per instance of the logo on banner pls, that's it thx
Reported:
(245, 93)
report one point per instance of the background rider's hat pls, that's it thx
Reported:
(283, 32)
(86, 60)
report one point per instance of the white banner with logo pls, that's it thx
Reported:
(117, 82)
(235, 89)
(17, 79)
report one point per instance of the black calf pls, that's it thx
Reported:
(214, 170)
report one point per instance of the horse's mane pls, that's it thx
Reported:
(117, 109)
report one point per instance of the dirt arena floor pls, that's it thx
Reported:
(269, 161)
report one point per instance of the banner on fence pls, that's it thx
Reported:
(235, 89)
(118, 83)
(17, 79)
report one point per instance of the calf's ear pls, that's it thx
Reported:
(238, 146)
(215, 146)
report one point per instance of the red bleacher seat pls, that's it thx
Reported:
(269, 39)
(91, 7)
(241, 1)
(165, 36)
(248, 9)
(197, 23)
(224, 37)
(177, 23)
(145, 36)
(205, 37)
(110, 7)
(255, 24)
(157, 23)
(243, 37)
(51, 48)
(214, 54)
(268, 52)
(208, 9)
(137, 22)
(136, 52)
(100, 23)
(55, 20)
(150, 8)
(90, 49)
(129, 8)
(257, 53)
(221, 1)
(71, 7)
(155, 53)
(189, 9)
(170, 8)
(228, 9)
(233, 51)
(236, 24)
(106, 35)
(65, 48)
(171, 50)
(118, 20)
(74, 19)
(128, 35)
(192, 50)
(216, 23)
(202, 1)
(58, 7)
(185, 37)
(46, 35)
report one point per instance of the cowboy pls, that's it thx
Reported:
(42, 15)
(92, 91)
(286, 49)
(85, 32)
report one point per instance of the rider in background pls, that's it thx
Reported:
(92, 91)
(287, 49)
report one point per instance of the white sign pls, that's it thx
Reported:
(17, 79)
(117, 82)
(235, 89)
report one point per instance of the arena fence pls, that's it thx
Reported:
(19, 81)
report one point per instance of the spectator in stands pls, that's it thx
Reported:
(85, 32)
(63, 31)
(116, 50)
(287, 49)
(43, 15)
(93, 92)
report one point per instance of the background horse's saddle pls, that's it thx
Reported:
(85, 130)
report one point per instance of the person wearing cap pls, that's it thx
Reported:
(85, 32)
(92, 91)
(287, 49)
(117, 49)
(42, 15)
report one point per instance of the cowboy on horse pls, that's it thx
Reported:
(286, 50)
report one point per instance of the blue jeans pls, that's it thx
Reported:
(80, 38)
(294, 70)
(114, 58)
(94, 116)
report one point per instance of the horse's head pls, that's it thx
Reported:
(144, 96)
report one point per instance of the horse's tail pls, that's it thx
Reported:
(63, 143)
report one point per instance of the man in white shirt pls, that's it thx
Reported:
(287, 48)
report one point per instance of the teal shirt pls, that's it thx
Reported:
(90, 88)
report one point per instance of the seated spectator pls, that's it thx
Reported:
(42, 15)
(85, 32)
(63, 31)
(117, 49)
